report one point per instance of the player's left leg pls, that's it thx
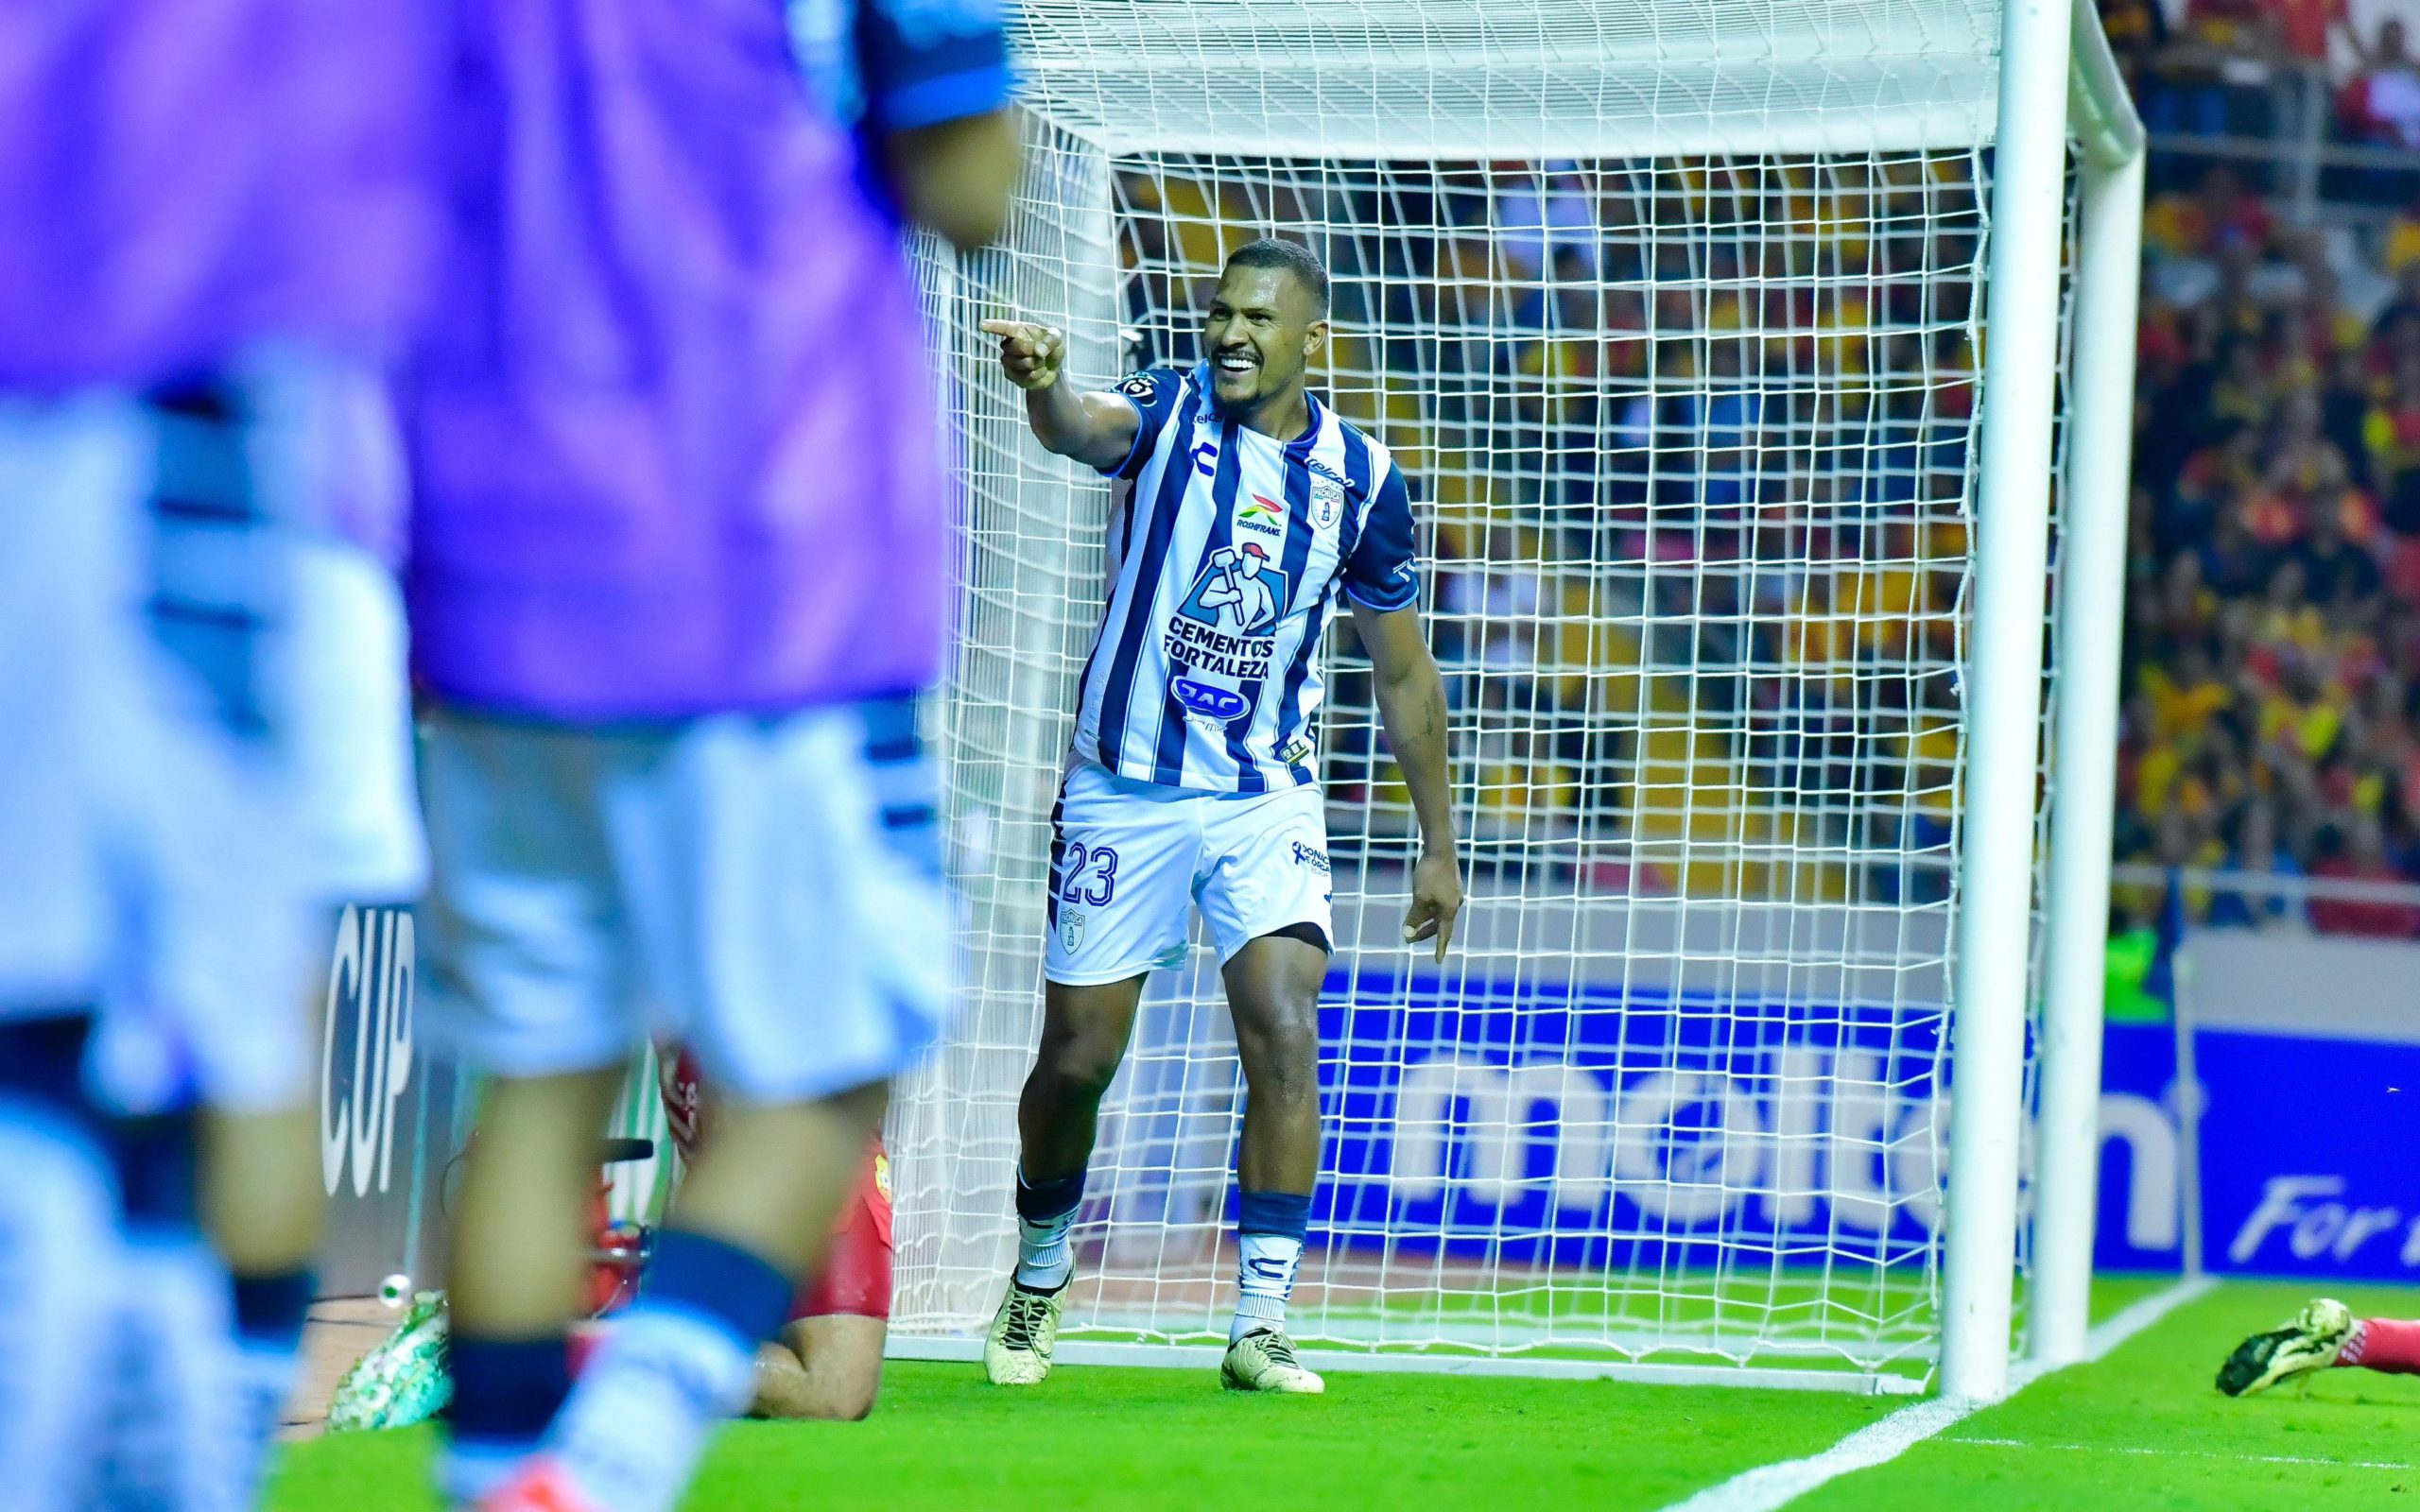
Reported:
(1266, 898)
(2314, 1339)
(824, 1369)
(827, 1363)
(2323, 1334)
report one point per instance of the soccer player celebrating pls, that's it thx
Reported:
(2324, 1333)
(1251, 504)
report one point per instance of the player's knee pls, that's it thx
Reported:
(1281, 1050)
(1079, 1067)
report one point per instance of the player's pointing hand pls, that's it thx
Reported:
(1436, 898)
(1030, 354)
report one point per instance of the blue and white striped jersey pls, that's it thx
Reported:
(1226, 559)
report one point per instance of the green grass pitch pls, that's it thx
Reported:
(2141, 1429)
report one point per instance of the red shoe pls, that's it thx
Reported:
(539, 1485)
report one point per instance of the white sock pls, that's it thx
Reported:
(264, 1382)
(177, 1432)
(636, 1424)
(58, 1246)
(1264, 1280)
(1046, 1258)
(468, 1473)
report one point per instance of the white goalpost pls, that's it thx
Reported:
(1734, 527)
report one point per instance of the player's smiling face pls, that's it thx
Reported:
(1263, 328)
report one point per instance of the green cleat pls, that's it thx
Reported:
(402, 1379)
(2310, 1342)
(1263, 1360)
(1024, 1332)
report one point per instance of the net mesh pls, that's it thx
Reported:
(1692, 444)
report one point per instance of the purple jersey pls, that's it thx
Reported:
(674, 441)
(181, 178)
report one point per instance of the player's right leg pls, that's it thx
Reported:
(530, 984)
(1122, 863)
(780, 879)
(1085, 1032)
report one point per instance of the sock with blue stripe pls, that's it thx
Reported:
(506, 1391)
(679, 1362)
(269, 1314)
(1045, 1218)
(60, 1243)
(1270, 1233)
(177, 1425)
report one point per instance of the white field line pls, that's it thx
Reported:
(1771, 1486)
(2188, 1454)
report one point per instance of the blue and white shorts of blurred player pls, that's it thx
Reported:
(1128, 858)
(209, 726)
(765, 888)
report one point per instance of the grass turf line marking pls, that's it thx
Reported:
(1771, 1486)
(2188, 1454)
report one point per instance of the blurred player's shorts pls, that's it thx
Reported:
(161, 581)
(352, 751)
(146, 588)
(764, 888)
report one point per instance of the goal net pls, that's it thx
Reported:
(1673, 315)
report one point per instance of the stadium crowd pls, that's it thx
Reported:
(1698, 438)
(2274, 641)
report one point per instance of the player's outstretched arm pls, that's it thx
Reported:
(954, 177)
(1095, 429)
(1412, 706)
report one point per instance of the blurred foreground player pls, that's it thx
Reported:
(2323, 1334)
(1250, 508)
(827, 1361)
(678, 565)
(218, 212)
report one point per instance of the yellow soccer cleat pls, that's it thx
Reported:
(2310, 1342)
(1024, 1332)
(1263, 1360)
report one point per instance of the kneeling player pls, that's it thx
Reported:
(2323, 1334)
(828, 1360)
(826, 1364)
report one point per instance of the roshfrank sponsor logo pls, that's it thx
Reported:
(1264, 515)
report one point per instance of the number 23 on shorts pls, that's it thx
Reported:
(1090, 875)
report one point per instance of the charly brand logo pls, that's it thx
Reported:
(369, 1009)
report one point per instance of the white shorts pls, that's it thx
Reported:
(1127, 857)
(148, 864)
(351, 747)
(765, 888)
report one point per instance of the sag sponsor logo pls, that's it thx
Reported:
(371, 983)
(1209, 701)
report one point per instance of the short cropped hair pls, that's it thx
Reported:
(1292, 257)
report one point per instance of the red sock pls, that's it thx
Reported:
(2387, 1344)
